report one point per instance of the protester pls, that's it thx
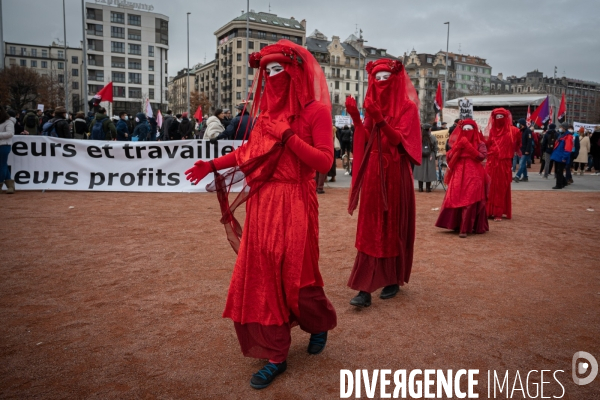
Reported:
(142, 129)
(547, 147)
(31, 123)
(426, 172)
(174, 128)
(166, 125)
(80, 126)
(186, 128)
(58, 126)
(214, 125)
(276, 282)
(122, 128)
(153, 129)
(561, 155)
(7, 131)
(385, 231)
(503, 137)
(574, 154)
(584, 149)
(337, 149)
(19, 129)
(240, 127)
(130, 124)
(464, 206)
(226, 118)
(102, 127)
(526, 151)
(595, 149)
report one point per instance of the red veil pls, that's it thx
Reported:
(500, 141)
(397, 98)
(257, 159)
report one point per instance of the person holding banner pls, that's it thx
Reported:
(276, 283)
(503, 137)
(385, 145)
(463, 209)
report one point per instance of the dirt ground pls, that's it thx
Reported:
(121, 297)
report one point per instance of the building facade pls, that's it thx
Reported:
(129, 46)
(582, 97)
(473, 74)
(62, 68)
(499, 85)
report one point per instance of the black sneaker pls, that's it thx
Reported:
(265, 376)
(525, 180)
(362, 299)
(557, 187)
(317, 343)
(389, 291)
(516, 179)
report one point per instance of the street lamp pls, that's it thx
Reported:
(247, 49)
(188, 63)
(85, 70)
(65, 80)
(446, 77)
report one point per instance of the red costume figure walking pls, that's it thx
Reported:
(501, 148)
(276, 283)
(464, 205)
(384, 147)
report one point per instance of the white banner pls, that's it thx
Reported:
(481, 117)
(341, 120)
(42, 162)
(587, 127)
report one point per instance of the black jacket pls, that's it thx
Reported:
(61, 126)
(237, 128)
(174, 130)
(526, 141)
(548, 141)
(186, 129)
(345, 135)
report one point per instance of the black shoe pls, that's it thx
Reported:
(557, 187)
(265, 376)
(362, 299)
(516, 179)
(420, 190)
(317, 343)
(320, 191)
(525, 180)
(389, 291)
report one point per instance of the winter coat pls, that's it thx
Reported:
(214, 128)
(595, 144)
(584, 149)
(164, 130)
(122, 130)
(526, 141)
(426, 172)
(174, 130)
(110, 132)
(7, 131)
(61, 126)
(33, 130)
(548, 141)
(186, 129)
(142, 129)
(346, 135)
(233, 132)
(563, 148)
(80, 128)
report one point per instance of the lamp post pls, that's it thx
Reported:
(85, 70)
(65, 76)
(188, 64)
(446, 77)
(247, 49)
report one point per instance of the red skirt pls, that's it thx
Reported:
(273, 342)
(371, 273)
(469, 219)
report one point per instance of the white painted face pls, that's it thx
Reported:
(382, 75)
(499, 116)
(273, 68)
(467, 128)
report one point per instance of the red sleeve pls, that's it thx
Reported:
(226, 161)
(407, 132)
(320, 155)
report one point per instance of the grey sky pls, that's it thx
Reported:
(515, 36)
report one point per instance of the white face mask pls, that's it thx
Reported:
(382, 75)
(137, 119)
(467, 128)
(126, 118)
(274, 68)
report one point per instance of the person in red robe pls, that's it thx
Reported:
(385, 145)
(463, 208)
(501, 145)
(276, 283)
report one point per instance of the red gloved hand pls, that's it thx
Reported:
(352, 108)
(278, 128)
(198, 171)
(374, 111)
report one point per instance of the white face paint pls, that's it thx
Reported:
(382, 75)
(273, 68)
(467, 128)
(499, 116)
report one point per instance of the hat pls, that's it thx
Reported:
(564, 125)
(226, 110)
(60, 110)
(242, 106)
(444, 123)
(425, 126)
(184, 115)
(581, 129)
(552, 126)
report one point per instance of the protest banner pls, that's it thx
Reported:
(481, 117)
(465, 107)
(41, 107)
(43, 162)
(442, 138)
(587, 127)
(341, 120)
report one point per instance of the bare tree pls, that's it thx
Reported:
(199, 99)
(21, 87)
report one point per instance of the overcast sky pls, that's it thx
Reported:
(515, 36)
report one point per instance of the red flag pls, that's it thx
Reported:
(562, 109)
(551, 120)
(198, 113)
(438, 97)
(542, 113)
(528, 115)
(105, 94)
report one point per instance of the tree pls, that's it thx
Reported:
(199, 99)
(21, 87)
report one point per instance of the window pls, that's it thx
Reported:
(44, 64)
(261, 35)
(337, 84)
(75, 86)
(238, 70)
(117, 32)
(151, 94)
(287, 37)
(135, 78)
(95, 75)
(347, 85)
(117, 62)
(487, 71)
(95, 29)
(23, 63)
(151, 79)
(480, 70)
(263, 45)
(238, 83)
(251, 45)
(119, 91)
(118, 77)
(117, 47)
(45, 53)
(162, 31)
(336, 98)
(239, 44)
(135, 93)
(464, 59)
(74, 72)
(151, 65)
(61, 78)
(239, 56)
(117, 18)
(348, 74)
(33, 64)
(357, 87)
(13, 50)
(134, 63)
(34, 52)
(135, 49)
(74, 60)
(429, 72)
(61, 54)
(238, 96)
(429, 60)
(61, 65)
(274, 37)
(134, 20)
(94, 14)
(134, 34)
(150, 51)
(449, 62)
(357, 75)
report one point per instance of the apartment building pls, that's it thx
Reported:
(473, 74)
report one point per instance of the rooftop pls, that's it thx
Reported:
(272, 20)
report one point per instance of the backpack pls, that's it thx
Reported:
(98, 130)
(31, 121)
(49, 129)
(426, 148)
(551, 140)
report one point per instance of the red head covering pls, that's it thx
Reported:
(501, 141)
(473, 136)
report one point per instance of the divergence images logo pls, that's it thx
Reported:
(583, 367)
